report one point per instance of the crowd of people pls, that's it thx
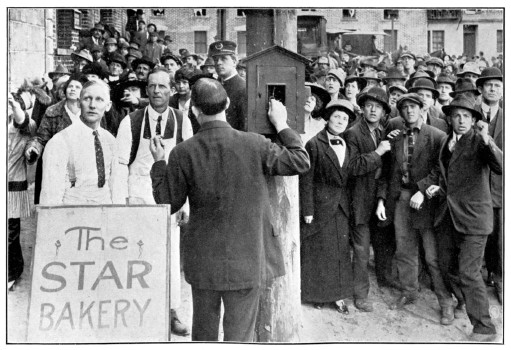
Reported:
(402, 154)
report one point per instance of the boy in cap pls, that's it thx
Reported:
(408, 60)
(409, 169)
(364, 139)
(224, 56)
(465, 213)
(490, 85)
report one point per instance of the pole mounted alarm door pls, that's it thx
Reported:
(278, 83)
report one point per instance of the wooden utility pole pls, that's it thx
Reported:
(280, 314)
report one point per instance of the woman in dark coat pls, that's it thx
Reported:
(325, 250)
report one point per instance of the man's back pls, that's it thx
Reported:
(230, 243)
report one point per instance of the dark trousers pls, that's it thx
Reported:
(493, 251)
(15, 256)
(407, 253)
(383, 247)
(240, 314)
(461, 258)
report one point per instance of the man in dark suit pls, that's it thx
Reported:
(409, 169)
(224, 55)
(96, 38)
(366, 147)
(465, 212)
(230, 252)
(490, 86)
(426, 89)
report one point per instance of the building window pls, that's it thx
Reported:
(390, 42)
(390, 14)
(201, 42)
(242, 43)
(350, 13)
(199, 12)
(499, 41)
(437, 40)
(158, 12)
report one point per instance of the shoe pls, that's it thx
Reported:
(460, 311)
(400, 302)
(178, 328)
(482, 338)
(364, 305)
(341, 307)
(447, 315)
(389, 284)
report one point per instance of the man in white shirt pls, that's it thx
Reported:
(78, 160)
(132, 181)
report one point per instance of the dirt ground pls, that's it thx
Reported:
(417, 323)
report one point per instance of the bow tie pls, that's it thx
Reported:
(336, 142)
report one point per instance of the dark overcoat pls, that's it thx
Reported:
(230, 243)
(465, 185)
(325, 251)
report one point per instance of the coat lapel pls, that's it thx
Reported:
(330, 151)
(422, 142)
(459, 148)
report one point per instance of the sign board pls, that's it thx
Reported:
(100, 274)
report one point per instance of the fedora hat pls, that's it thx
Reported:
(111, 41)
(362, 83)
(488, 74)
(95, 68)
(96, 48)
(167, 38)
(60, 70)
(464, 85)
(143, 60)
(369, 62)
(338, 74)
(425, 84)
(446, 79)
(371, 75)
(134, 53)
(319, 91)
(420, 74)
(134, 45)
(469, 67)
(465, 102)
(117, 57)
(209, 62)
(84, 53)
(376, 94)
(344, 105)
(393, 73)
(98, 26)
(413, 97)
(222, 47)
(166, 56)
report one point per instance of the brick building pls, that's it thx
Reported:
(45, 37)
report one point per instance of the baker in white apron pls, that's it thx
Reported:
(132, 182)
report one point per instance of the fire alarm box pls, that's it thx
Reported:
(275, 73)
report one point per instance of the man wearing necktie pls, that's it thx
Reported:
(465, 212)
(132, 181)
(490, 86)
(78, 160)
(409, 169)
(366, 149)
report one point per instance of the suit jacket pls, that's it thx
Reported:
(230, 242)
(363, 167)
(174, 103)
(465, 187)
(424, 172)
(323, 189)
(236, 88)
(495, 130)
(399, 122)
